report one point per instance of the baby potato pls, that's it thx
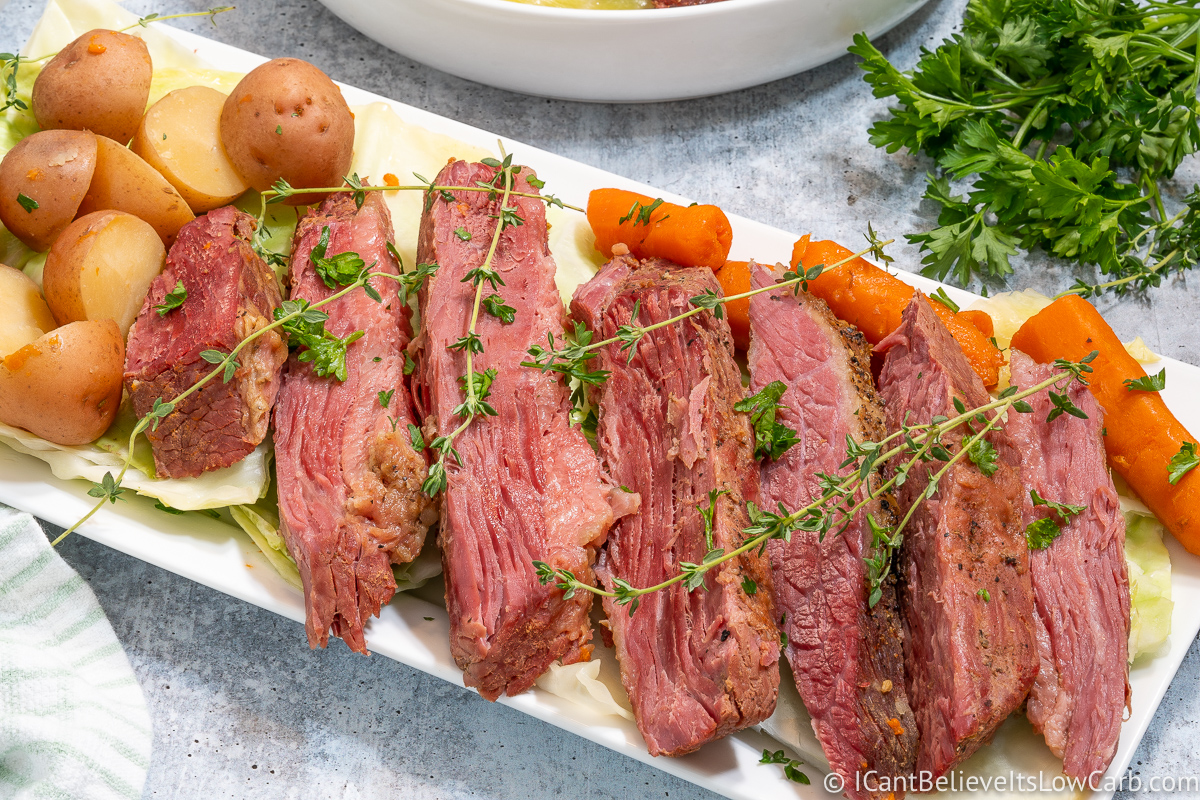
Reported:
(180, 136)
(100, 82)
(42, 181)
(124, 182)
(24, 316)
(65, 386)
(101, 267)
(287, 120)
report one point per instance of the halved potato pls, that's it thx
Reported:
(180, 136)
(24, 316)
(124, 182)
(42, 181)
(65, 386)
(101, 267)
(100, 82)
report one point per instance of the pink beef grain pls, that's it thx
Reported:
(967, 601)
(1080, 582)
(350, 495)
(847, 657)
(529, 487)
(231, 294)
(697, 665)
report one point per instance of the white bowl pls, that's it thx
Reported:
(621, 56)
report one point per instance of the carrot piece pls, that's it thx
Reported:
(873, 300)
(734, 278)
(1141, 433)
(981, 320)
(691, 236)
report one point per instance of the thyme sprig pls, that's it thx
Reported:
(837, 505)
(477, 385)
(282, 190)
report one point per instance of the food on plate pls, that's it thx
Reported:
(1080, 173)
(1141, 435)
(1076, 534)
(350, 498)
(24, 315)
(124, 182)
(66, 385)
(287, 121)
(844, 645)
(697, 665)
(100, 83)
(873, 300)
(734, 278)
(44, 178)
(101, 267)
(214, 292)
(522, 485)
(692, 236)
(967, 601)
(180, 136)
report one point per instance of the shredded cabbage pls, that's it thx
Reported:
(1149, 566)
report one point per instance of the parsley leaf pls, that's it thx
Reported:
(1182, 463)
(342, 269)
(1149, 383)
(983, 455)
(494, 305)
(1041, 533)
(174, 299)
(771, 438)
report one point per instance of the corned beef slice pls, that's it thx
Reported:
(231, 294)
(847, 659)
(350, 495)
(970, 659)
(529, 487)
(1080, 584)
(697, 665)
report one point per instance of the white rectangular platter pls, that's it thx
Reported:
(218, 556)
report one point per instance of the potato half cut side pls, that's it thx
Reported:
(180, 136)
(124, 182)
(43, 179)
(66, 386)
(101, 267)
(24, 316)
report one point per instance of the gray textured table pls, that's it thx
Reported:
(242, 708)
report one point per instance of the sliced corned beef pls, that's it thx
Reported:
(847, 658)
(350, 495)
(967, 601)
(1080, 583)
(231, 294)
(529, 487)
(702, 664)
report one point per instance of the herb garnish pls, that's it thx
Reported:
(1149, 383)
(791, 767)
(173, 300)
(28, 203)
(771, 438)
(1067, 116)
(1182, 463)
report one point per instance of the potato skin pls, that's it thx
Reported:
(287, 119)
(100, 82)
(54, 169)
(66, 386)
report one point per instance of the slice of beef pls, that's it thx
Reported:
(350, 497)
(847, 657)
(529, 486)
(702, 664)
(967, 601)
(231, 294)
(1080, 583)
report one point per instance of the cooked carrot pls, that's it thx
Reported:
(734, 278)
(873, 300)
(1141, 434)
(691, 236)
(981, 320)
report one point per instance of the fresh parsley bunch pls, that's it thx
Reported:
(1069, 114)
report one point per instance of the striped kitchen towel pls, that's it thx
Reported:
(73, 722)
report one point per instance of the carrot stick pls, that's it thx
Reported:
(981, 320)
(1141, 433)
(873, 300)
(691, 236)
(734, 278)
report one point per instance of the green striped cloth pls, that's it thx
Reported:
(73, 722)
